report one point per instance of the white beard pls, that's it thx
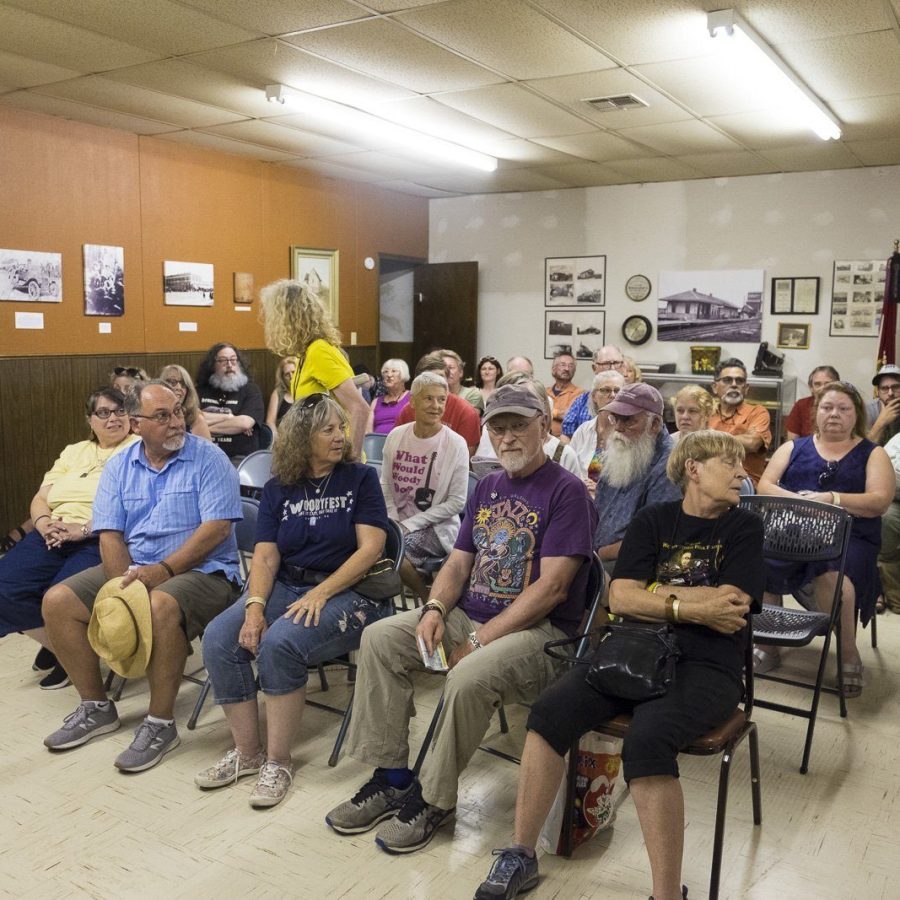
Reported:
(173, 444)
(626, 461)
(512, 461)
(228, 383)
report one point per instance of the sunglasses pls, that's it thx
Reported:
(728, 379)
(127, 370)
(827, 476)
(312, 401)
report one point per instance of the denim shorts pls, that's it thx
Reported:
(287, 650)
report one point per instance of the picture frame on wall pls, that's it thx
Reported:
(188, 283)
(793, 335)
(243, 287)
(318, 270)
(579, 332)
(795, 296)
(575, 281)
(857, 297)
(30, 276)
(104, 280)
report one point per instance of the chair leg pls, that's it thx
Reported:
(721, 806)
(118, 685)
(322, 679)
(429, 736)
(875, 632)
(342, 733)
(110, 677)
(755, 783)
(504, 725)
(565, 834)
(198, 706)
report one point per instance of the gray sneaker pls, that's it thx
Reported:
(272, 785)
(512, 873)
(80, 726)
(232, 766)
(151, 743)
(413, 826)
(374, 802)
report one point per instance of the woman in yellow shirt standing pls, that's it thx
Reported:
(62, 542)
(297, 324)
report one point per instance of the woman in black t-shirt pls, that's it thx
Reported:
(697, 563)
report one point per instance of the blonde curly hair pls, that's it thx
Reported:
(292, 452)
(293, 318)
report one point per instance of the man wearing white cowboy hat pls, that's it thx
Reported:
(164, 510)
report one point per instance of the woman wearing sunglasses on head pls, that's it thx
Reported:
(179, 380)
(834, 465)
(123, 378)
(62, 542)
(322, 525)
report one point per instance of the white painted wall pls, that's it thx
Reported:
(788, 225)
(395, 320)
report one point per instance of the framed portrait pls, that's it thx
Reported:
(793, 335)
(575, 281)
(30, 276)
(188, 283)
(795, 296)
(243, 287)
(575, 331)
(104, 280)
(857, 297)
(318, 270)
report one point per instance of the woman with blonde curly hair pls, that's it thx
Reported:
(693, 405)
(322, 524)
(182, 385)
(281, 398)
(297, 324)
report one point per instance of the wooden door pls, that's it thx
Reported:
(445, 310)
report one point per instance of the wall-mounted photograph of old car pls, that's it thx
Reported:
(722, 305)
(30, 276)
(575, 281)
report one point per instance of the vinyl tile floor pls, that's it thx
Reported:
(72, 826)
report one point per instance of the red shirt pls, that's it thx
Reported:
(800, 418)
(459, 416)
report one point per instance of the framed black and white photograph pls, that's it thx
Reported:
(575, 281)
(793, 335)
(579, 332)
(857, 298)
(30, 276)
(318, 270)
(795, 296)
(188, 283)
(720, 305)
(104, 280)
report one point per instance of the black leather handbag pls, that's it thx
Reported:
(634, 661)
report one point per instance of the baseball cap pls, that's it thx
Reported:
(889, 369)
(516, 399)
(636, 398)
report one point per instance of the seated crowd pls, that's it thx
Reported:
(130, 554)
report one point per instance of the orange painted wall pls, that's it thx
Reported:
(65, 184)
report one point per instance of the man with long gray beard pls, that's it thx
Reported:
(164, 511)
(516, 578)
(634, 466)
(232, 404)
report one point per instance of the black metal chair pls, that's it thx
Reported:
(721, 740)
(802, 531)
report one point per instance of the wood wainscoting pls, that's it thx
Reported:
(42, 409)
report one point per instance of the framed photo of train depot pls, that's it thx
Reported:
(575, 281)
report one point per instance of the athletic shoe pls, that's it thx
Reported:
(512, 873)
(232, 766)
(413, 827)
(44, 661)
(57, 678)
(272, 784)
(151, 743)
(80, 726)
(374, 802)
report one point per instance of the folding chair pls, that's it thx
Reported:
(254, 470)
(373, 447)
(798, 530)
(596, 588)
(721, 740)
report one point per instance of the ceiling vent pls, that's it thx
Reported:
(617, 102)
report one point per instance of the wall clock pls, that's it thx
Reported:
(637, 330)
(637, 287)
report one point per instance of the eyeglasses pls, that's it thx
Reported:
(624, 421)
(127, 370)
(174, 382)
(312, 400)
(732, 379)
(610, 364)
(612, 391)
(163, 417)
(226, 360)
(520, 426)
(827, 476)
(105, 412)
(889, 388)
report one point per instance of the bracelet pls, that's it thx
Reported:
(167, 567)
(251, 600)
(653, 587)
(835, 498)
(85, 531)
(44, 516)
(473, 640)
(670, 608)
(676, 601)
(430, 607)
(435, 603)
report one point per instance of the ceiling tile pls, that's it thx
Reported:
(61, 44)
(516, 153)
(329, 170)
(653, 169)
(280, 16)
(274, 62)
(236, 148)
(867, 118)
(279, 137)
(508, 36)
(877, 153)
(764, 128)
(383, 49)
(574, 90)
(583, 174)
(100, 91)
(597, 146)
(80, 112)
(389, 6)
(515, 110)
(821, 155)
(514, 180)
(727, 165)
(802, 20)
(395, 165)
(19, 71)
(676, 138)
(417, 190)
(162, 26)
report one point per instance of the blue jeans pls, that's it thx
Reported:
(287, 650)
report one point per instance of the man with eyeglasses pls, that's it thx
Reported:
(884, 411)
(607, 359)
(232, 404)
(634, 466)
(562, 392)
(516, 578)
(801, 420)
(748, 422)
(164, 510)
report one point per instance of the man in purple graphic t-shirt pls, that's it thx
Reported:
(516, 579)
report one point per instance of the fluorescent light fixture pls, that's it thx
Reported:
(773, 80)
(398, 138)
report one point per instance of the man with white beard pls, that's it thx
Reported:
(232, 404)
(516, 578)
(634, 466)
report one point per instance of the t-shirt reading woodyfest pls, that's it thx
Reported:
(315, 530)
(665, 544)
(510, 524)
